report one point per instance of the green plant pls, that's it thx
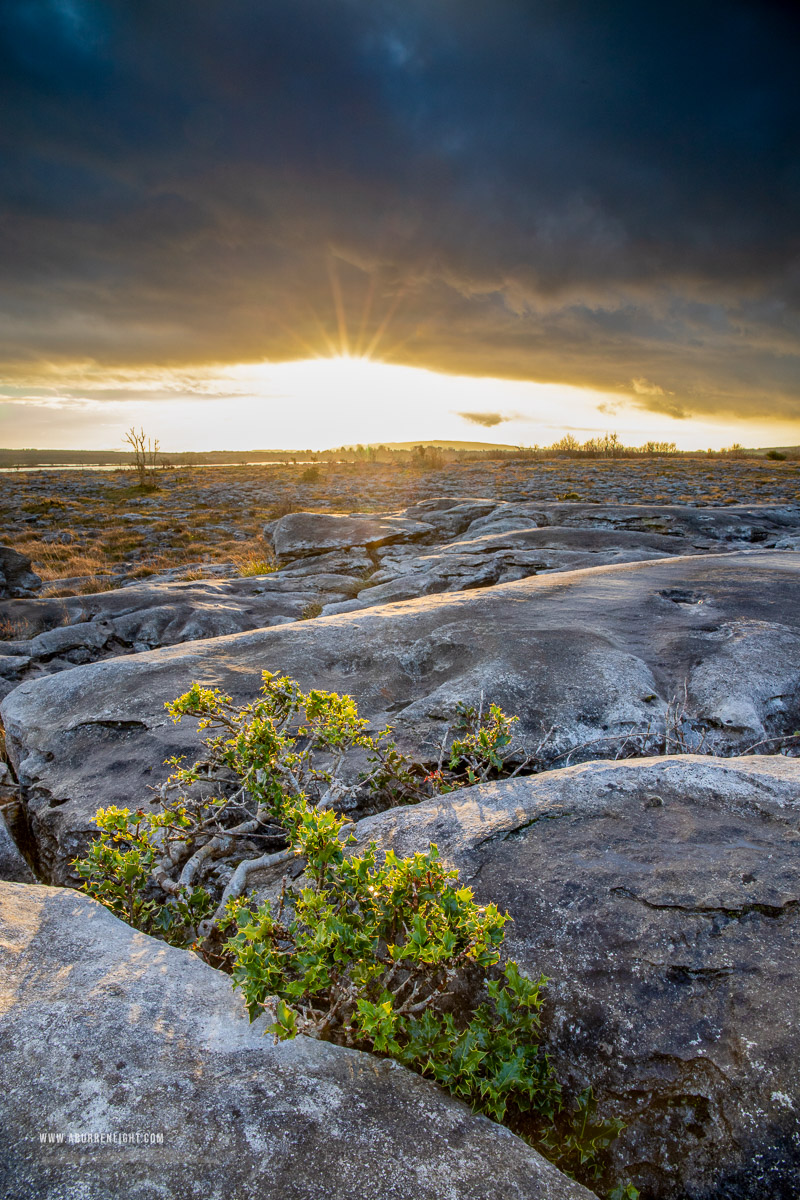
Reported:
(226, 815)
(482, 746)
(118, 867)
(387, 954)
(371, 953)
(579, 1145)
(258, 566)
(392, 956)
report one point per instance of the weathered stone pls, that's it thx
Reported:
(12, 664)
(590, 540)
(13, 866)
(94, 634)
(299, 534)
(588, 660)
(108, 1034)
(155, 614)
(16, 576)
(466, 543)
(352, 560)
(662, 899)
(451, 515)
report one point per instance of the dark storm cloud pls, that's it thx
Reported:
(594, 194)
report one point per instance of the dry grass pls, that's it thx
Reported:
(215, 516)
(89, 587)
(152, 567)
(257, 566)
(282, 509)
(258, 559)
(14, 631)
(54, 561)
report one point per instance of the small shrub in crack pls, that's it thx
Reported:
(224, 817)
(391, 955)
(382, 953)
(119, 866)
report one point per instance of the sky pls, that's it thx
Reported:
(314, 222)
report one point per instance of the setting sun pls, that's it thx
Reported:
(317, 403)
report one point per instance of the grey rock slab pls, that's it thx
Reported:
(405, 587)
(13, 866)
(662, 898)
(495, 542)
(17, 577)
(12, 664)
(563, 537)
(341, 606)
(166, 613)
(299, 534)
(90, 634)
(105, 1032)
(586, 659)
(732, 523)
(449, 515)
(352, 561)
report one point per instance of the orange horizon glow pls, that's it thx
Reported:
(345, 399)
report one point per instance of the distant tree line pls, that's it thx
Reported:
(607, 446)
(145, 455)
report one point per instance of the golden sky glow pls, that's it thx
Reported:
(473, 192)
(322, 402)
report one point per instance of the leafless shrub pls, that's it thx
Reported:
(145, 453)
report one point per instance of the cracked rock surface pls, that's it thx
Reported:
(662, 899)
(659, 894)
(329, 563)
(107, 1031)
(690, 653)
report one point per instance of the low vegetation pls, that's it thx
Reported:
(349, 944)
(145, 457)
(105, 529)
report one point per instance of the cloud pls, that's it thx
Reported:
(511, 194)
(484, 418)
(660, 403)
(643, 387)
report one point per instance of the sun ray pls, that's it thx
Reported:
(338, 303)
(324, 335)
(308, 349)
(365, 315)
(384, 325)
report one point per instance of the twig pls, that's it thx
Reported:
(238, 882)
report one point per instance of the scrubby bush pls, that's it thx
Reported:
(225, 816)
(392, 956)
(363, 948)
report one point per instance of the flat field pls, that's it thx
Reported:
(89, 530)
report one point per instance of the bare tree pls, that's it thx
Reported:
(145, 452)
